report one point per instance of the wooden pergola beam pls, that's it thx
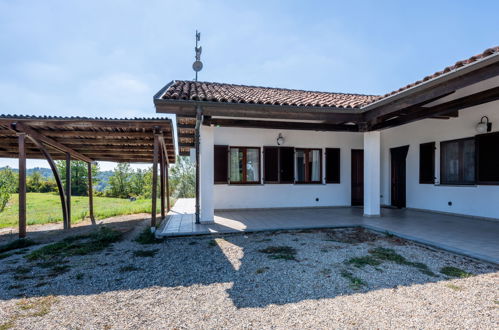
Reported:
(20, 127)
(57, 178)
(164, 125)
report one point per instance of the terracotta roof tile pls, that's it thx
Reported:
(230, 93)
(457, 65)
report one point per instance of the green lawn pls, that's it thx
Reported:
(46, 208)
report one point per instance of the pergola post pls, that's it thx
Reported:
(67, 223)
(22, 184)
(162, 183)
(154, 181)
(90, 193)
(167, 186)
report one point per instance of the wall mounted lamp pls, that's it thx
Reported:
(482, 126)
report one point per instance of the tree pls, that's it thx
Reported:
(79, 176)
(8, 185)
(34, 182)
(119, 182)
(183, 178)
(138, 183)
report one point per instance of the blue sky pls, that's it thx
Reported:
(108, 58)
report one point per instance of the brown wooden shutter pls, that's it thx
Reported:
(332, 165)
(487, 148)
(221, 163)
(427, 163)
(271, 164)
(287, 164)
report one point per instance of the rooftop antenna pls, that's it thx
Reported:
(197, 65)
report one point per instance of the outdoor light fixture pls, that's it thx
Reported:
(280, 139)
(482, 126)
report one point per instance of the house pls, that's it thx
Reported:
(431, 145)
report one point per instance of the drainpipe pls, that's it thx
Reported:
(199, 118)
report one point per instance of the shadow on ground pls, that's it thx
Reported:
(319, 268)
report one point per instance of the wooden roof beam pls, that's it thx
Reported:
(37, 137)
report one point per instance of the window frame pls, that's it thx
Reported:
(244, 181)
(306, 153)
(421, 179)
(461, 182)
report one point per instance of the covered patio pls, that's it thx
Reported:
(473, 237)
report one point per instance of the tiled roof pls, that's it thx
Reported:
(457, 65)
(229, 93)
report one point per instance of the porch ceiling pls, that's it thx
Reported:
(88, 139)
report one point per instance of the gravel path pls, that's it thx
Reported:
(228, 282)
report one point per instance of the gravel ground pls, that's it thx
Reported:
(228, 282)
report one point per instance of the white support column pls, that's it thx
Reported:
(206, 174)
(372, 173)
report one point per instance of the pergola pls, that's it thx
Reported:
(138, 140)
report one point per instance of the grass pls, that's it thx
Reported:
(77, 245)
(454, 272)
(454, 287)
(29, 308)
(385, 254)
(355, 282)
(16, 244)
(280, 252)
(363, 261)
(145, 253)
(147, 237)
(129, 268)
(44, 208)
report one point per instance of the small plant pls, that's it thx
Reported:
(262, 270)
(79, 276)
(58, 270)
(77, 245)
(326, 272)
(384, 254)
(22, 270)
(145, 253)
(147, 237)
(363, 261)
(212, 243)
(454, 287)
(280, 252)
(17, 244)
(455, 272)
(129, 268)
(355, 282)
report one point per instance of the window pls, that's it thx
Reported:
(488, 158)
(278, 164)
(308, 165)
(221, 163)
(332, 165)
(427, 163)
(457, 161)
(244, 165)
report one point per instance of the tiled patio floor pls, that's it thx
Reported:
(474, 237)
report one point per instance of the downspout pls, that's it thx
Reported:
(199, 119)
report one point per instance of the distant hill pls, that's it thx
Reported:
(45, 172)
(101, 179)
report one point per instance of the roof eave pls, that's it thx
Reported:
(486, 61)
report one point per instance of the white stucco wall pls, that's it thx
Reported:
(480, 201)
(287, 195)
